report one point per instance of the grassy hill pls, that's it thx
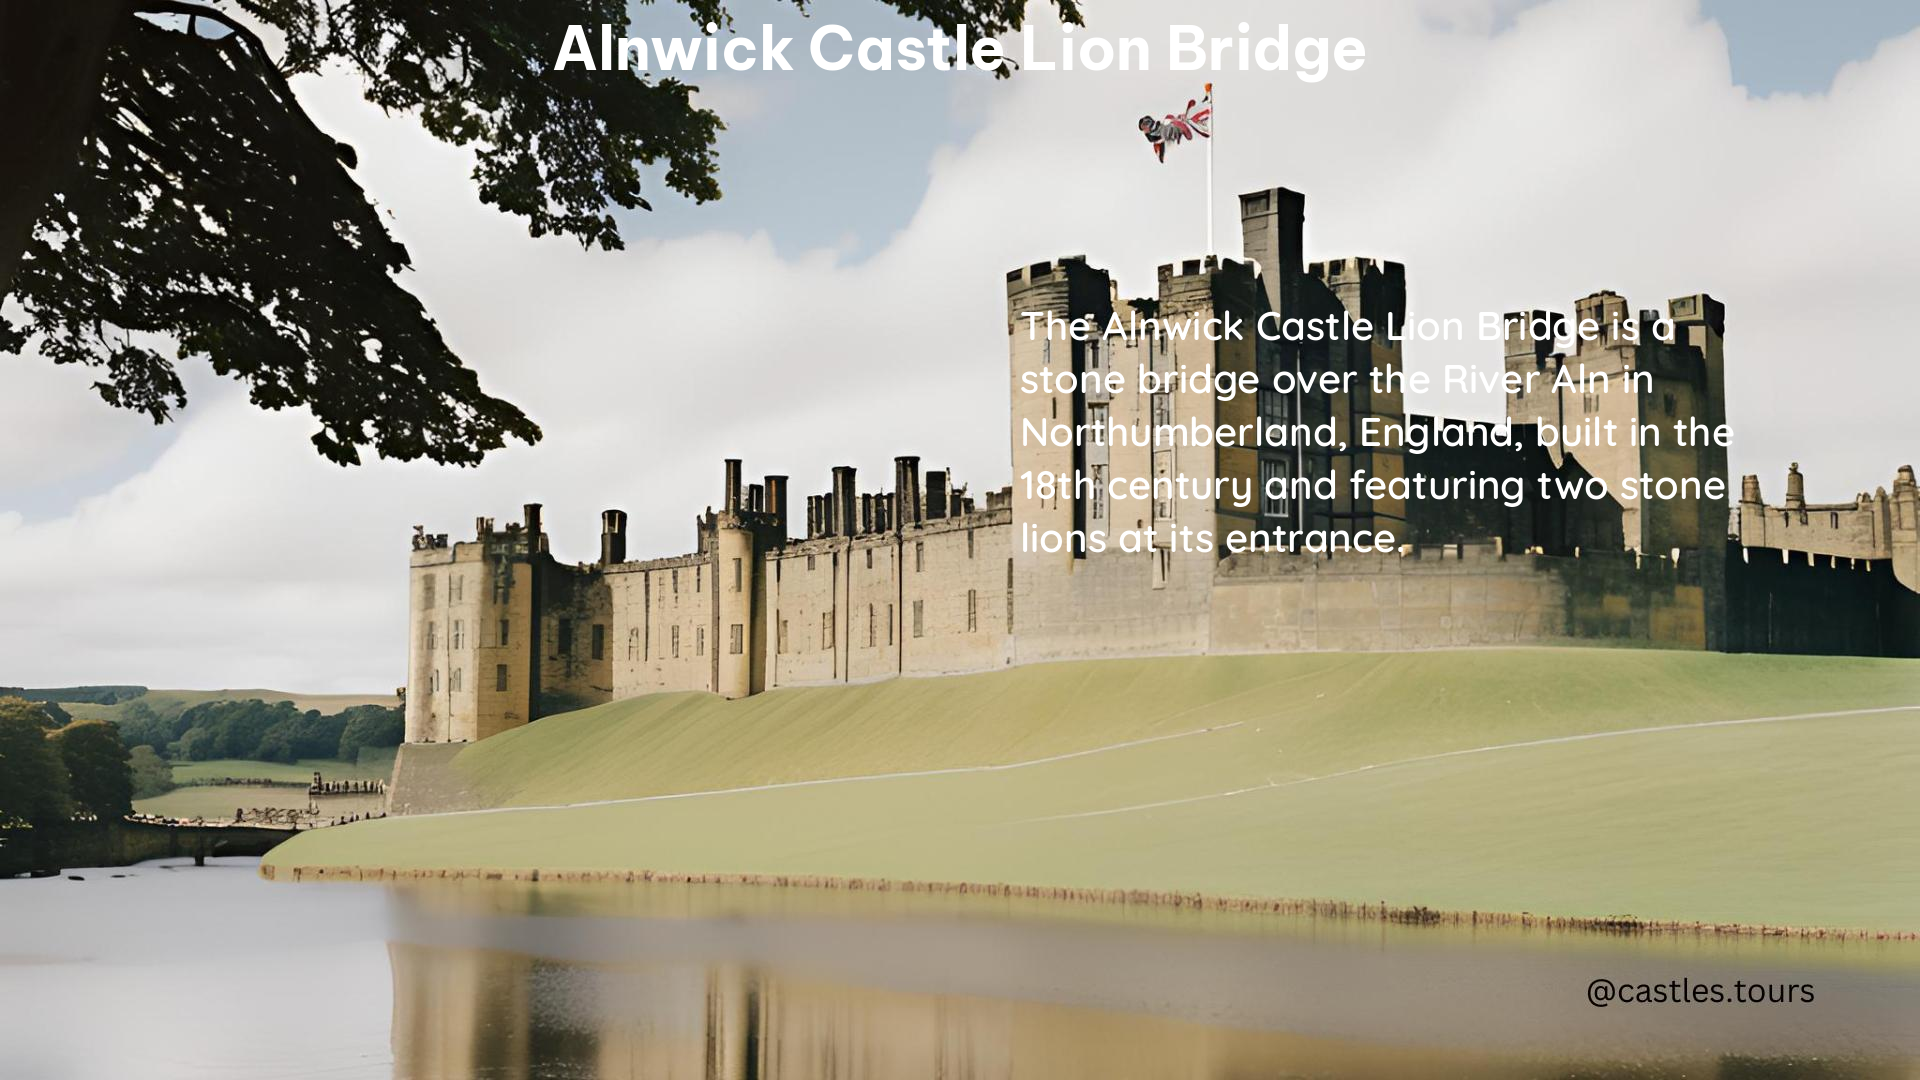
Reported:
(1572, 782)
(169, 702)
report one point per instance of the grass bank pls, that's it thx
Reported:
(1578, 783)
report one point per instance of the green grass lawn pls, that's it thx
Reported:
(373, 765)
(1365, 777)
(218, 803)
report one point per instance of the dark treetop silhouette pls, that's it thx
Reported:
(169, 195)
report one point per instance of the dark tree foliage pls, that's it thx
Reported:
(207, 208)
(255, 730)
(152, 774)
(370, 727)
(33, 780)
(99, 776)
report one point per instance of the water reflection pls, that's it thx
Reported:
(518, 981)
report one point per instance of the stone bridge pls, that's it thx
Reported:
(123, 843)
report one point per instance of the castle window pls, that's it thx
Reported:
(1096, 500)
(459, 633)
(869, 558)
(1835, 523)
(1097, 425)
(506, 629)
(969, 543)
(499, 676)
(871, 613)
(566, 637)
(433, 681)
(1162, 481)
(973, 610)
(781, 644)
(699, 582)
(1162, 567)
(1162, 411)
(599, 641)
(633, 644)
(1010, 595)
(426, 591)
(739, 575)
(1275, 407)
(433, 635)
(453, 682)
(676, 642)
(1275, 499)
(919, 620)
(889, 624)
(826, 629)
(919, 556)
(809, 562)
(699, 641)
(456, 585)
(676, 580)
(736, 639)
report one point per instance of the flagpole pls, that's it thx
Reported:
(1212, 117)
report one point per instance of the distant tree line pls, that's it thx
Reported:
(257, 731)
(85, 695)
(52, 773)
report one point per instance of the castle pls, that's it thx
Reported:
(922, 578)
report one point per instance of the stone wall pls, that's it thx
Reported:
(1799, 602)
(1451, 596)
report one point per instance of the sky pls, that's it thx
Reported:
(844, 301)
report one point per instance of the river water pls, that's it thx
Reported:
(167, 970)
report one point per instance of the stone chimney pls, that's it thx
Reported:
(846, 503)
(908, 509)
(936, 494)
(776, 488)
(535, 538)
(613, 537)
(733, 485)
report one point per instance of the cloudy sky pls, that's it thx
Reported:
(844, 302)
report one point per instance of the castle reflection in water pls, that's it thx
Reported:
(462, 1012)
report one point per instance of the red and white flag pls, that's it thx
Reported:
(1195, 123)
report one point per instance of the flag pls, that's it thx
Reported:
(1195, 123)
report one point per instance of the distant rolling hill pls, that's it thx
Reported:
(167, 701)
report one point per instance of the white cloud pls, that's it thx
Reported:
(1588, 145)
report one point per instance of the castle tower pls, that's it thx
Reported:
(473, 632)
(1066, 288)
(1903, 513)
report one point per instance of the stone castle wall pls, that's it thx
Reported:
(899, 582)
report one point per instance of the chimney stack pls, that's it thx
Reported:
(936, 494)
(531, 513)
(846, 504)
(613, 537)
(908, 509)
(733, 485)
(776, 495)
(866, 513)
